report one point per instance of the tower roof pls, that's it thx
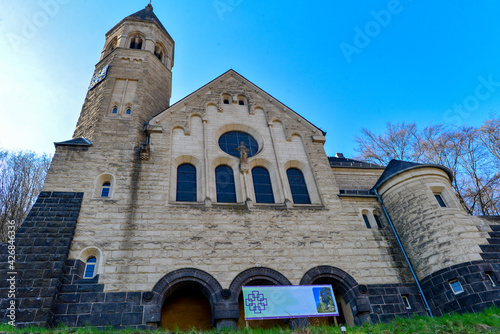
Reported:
(148, 15)
(396, 167)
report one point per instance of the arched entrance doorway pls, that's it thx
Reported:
(345, 314)
(264, 324)
(257, 277)
(183, 299)
(186, 308)
(343, 286)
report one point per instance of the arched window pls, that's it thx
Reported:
(226, 98)
(136, 42)
(367, 221)
(224, 183)
(90, 267)
(262, 185)
(186, 183)
(241, 100)
(378, 221)
(129, 111)
(158, 52)
(106, 188)
(298, 186)
(115, 110)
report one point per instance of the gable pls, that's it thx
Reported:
(236, 86)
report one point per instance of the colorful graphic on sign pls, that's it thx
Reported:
(297, 301)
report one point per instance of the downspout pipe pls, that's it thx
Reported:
(404, 253)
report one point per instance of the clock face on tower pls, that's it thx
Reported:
(98, 77)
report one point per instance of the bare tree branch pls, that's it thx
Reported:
(21, 179)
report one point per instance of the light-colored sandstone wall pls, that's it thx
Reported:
(146, 84)
(434, 237)
(356, 178)
(144, 234)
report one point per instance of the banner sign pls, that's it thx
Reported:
(291, 301)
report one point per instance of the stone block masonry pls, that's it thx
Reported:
(479, 291)
(42, 246)
(82, 302)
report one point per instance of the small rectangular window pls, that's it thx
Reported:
(406, 301)
(226, 101)
(489, 276)
(456, 287)
(241, 102)
(440, 200)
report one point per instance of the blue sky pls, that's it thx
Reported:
(343, 65)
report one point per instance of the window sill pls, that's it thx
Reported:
(246, 206)
(107, 199)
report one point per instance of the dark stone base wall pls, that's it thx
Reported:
(479, 293)
(42, 245)
(82, 302)
(386, 301)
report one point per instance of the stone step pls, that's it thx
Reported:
(494, 234)
(494, 241)
(490, 256)
(490, 248)
(495, 228)
(82, 288)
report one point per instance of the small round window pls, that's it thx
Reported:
(230, 141)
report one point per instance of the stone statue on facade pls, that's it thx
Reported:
(243, 152)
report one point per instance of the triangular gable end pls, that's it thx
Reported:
(225, 76)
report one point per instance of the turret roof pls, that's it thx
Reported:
(396, 167)
(146, 14)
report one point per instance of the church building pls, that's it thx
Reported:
(155, 215)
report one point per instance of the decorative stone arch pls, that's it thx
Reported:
(243, 128)
(99, 182)
(226, 99)
(273, 174)
(308, 176)
(86, 254)
(368, 212)
(242, 99)
(257, 109)
(136, 40)
(113, 44)
(345, 285)
(180, 127)
(295, 133)
(232, 162)
(177, 280)
(253, 276)
(160, 52)
(197, 163)
(256, 274)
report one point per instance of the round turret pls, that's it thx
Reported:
(442, 242)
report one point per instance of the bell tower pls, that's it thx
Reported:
(132, 81)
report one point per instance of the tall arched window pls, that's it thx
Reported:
(298, 186)
(224, 183)
(106, 188)
(90, 267)
(262, 185)
(367, 221)
(186, 183)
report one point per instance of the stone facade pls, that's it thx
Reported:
(148, 247)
